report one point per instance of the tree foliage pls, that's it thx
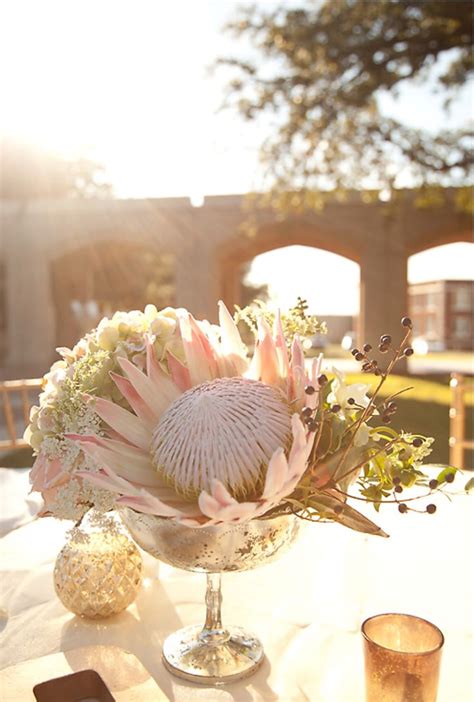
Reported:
(319, 71)
(28, 172)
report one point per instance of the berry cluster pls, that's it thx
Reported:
(370, 365)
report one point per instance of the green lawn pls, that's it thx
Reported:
(425, 410)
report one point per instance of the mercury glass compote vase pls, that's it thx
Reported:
(212, 654)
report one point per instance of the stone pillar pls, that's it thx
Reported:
(383, 292)
(30, 309)
(231, 285)
(197, 281)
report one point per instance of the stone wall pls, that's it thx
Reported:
(209, 249)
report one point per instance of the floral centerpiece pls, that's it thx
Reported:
(175, 417)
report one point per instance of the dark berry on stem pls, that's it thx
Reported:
(309, 390)
(355, 351)
(386, 339)
(383, 348)
(409, 351)
(398, 488)
(417, 442)
(312, 425)
(402, 508)
(433, 484)
(359, 356)
(431, 509)
(396, 480)
(367, 348)
(306, 411)
(449, 478)
(336, 408)
(322, 379)
(350, 401)
(406, 322)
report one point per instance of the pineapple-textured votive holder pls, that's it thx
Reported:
(98, 574)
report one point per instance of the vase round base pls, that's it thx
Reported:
(212, 657)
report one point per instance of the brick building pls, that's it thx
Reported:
(442, 313)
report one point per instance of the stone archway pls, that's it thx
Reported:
(269, 237)
(209, 246)
(237, 253)
(101, 277)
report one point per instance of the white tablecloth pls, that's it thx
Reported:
(307, 607)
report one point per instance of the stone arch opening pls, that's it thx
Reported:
(329, 282)
(237, 253)
(101, 277)
(290, 236)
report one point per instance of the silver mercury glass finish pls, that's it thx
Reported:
(212, 654)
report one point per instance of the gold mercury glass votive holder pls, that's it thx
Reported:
(402, 658)
(98, 575)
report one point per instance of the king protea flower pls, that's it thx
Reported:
(217, 438)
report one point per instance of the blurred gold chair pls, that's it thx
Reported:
(458, 443)
(15, 410)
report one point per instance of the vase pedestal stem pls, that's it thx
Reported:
(213, 654)
(212, 632)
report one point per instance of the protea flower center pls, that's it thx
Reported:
(226, 429)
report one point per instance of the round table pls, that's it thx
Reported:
(306, 608)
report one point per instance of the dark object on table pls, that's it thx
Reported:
(84, 686)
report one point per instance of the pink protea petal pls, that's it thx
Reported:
(280, 344)
(297, 354)
(123, 422)
(208, 504)
(230, 335)
(153, 369)
(164, 384)
(157, 394)
(150, 505)
(313, 400)
(125, 460)
(198, 523)
(238, 512)
(201, 339)
(46, 473)
(221, 494)
(108, 480)
(316, 367)
(297, 371)
(139, 499)
(140, 408)
(228, 511)
(288, 473)
(265, 364)
(299, 436)
(277, 473)
(179, 372)
(200, 358)
(232, 346)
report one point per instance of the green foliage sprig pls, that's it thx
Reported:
(296, 321)
(382, 462)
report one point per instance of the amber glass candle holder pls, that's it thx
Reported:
(402, 658)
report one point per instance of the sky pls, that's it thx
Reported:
(128, 83)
